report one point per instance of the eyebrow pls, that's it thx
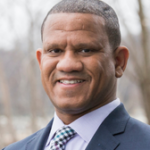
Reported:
(90, 44)
(54, 45)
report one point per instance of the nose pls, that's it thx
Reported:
(70, 62)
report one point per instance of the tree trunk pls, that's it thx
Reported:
(145, 88)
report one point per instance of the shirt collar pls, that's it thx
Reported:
(89, 122)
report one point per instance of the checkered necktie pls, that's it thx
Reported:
(61, 138)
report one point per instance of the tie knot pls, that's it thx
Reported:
(61, 138)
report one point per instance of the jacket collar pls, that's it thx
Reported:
(114, 124)
(104, 138)
(38, 143)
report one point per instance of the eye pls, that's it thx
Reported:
(86, 50)
(55, 51)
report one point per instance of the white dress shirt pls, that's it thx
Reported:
(85, 126)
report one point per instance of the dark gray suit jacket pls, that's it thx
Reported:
(118, 132)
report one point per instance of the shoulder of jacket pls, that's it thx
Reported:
(139, 126)
(20, 145)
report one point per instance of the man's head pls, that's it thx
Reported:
(95, 7)
(78, 62)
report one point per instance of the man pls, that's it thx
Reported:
(80, 63)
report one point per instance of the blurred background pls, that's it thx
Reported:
(24, 106)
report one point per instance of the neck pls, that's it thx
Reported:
(68, 118)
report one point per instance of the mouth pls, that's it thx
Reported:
(69, 82)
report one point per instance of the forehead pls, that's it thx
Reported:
(74, 21)
(74, 27)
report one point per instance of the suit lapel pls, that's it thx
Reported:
(103, 140)
(115, 123)
(38, 143)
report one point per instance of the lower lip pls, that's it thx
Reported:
(70, 85)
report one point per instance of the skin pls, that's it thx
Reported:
(76, 47)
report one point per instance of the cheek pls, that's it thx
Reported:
(93, 66)
(101, 69)
(95, 70)
(48, 66)
(47, 71)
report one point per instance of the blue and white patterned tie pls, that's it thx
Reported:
(61, 138)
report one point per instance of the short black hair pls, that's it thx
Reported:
(96, 7)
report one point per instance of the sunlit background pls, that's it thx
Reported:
(24, 106)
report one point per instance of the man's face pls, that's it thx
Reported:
(77, 64)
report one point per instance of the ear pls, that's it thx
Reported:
(39, 56)
(121, 58)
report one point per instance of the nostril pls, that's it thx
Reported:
(69, 65)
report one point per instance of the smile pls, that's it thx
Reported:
(71, 81)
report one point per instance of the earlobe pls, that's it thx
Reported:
(121, 58)
(39, 56)
(119, 72)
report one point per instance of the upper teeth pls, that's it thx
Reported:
(70, 81)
